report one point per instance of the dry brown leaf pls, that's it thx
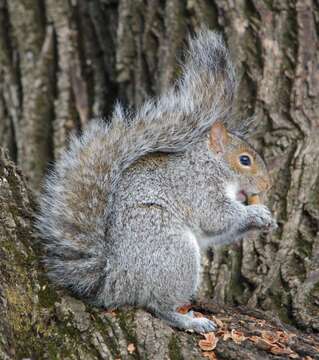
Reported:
(261, 343)
(237, 336)
(307, 358)
(270, 336)
(184, 309)
(209, 343)
(254, 338)
(218, 322)
(278, 350)
(131, 348)
(227, 335)
(210, 355)
(284, 337)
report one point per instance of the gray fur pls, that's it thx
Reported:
(129, 207)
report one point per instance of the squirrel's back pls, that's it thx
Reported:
(79, 192)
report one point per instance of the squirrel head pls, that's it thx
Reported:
(242, 159)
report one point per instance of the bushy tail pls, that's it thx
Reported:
(78, 194)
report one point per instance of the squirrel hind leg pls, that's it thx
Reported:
(187, 321)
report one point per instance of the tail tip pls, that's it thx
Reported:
(207, 49)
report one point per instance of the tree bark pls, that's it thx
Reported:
(64, 62)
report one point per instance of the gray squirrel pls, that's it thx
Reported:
(131, 205)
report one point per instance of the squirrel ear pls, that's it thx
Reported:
(218, 137)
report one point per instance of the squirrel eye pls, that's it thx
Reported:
(245, 160)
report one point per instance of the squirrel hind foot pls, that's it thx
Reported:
(188, 322)
(203, 325)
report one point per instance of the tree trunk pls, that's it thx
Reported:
(63, 62)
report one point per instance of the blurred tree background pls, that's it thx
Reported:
(63, 62)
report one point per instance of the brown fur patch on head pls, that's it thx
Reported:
(264, 183)
(256, 171)
(233, 160)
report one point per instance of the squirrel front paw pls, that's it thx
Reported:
(261, 218)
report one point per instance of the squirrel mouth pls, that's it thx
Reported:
(244, 198)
